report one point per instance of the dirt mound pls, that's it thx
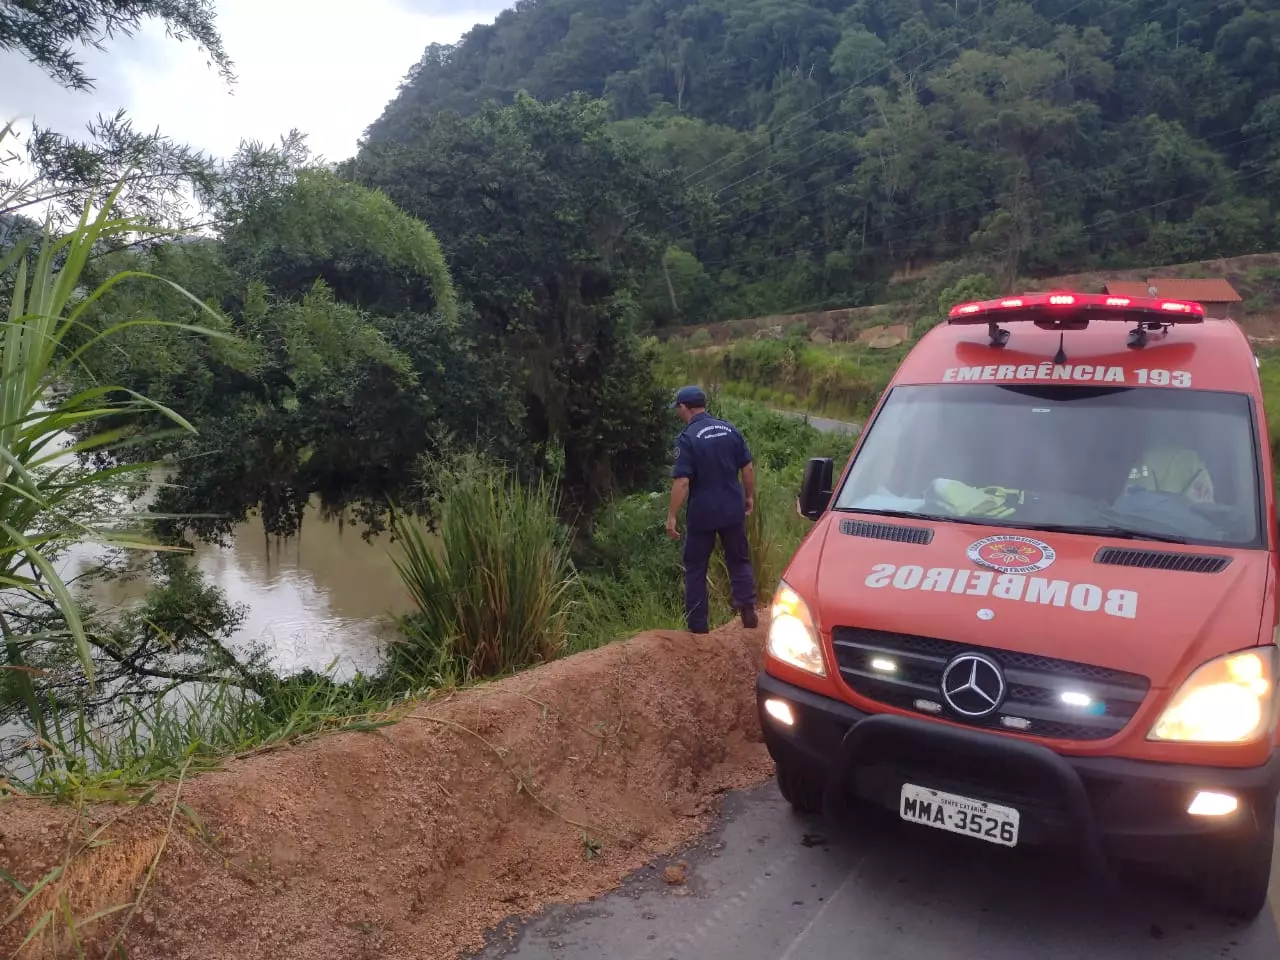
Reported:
(883, 337)
(412, 840)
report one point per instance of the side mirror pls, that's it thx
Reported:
(815, 488)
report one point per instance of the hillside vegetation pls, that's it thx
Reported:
(829, 143)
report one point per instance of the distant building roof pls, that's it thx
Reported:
(1126, 288)
(1216, 290)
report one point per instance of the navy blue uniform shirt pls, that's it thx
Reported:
(710, 453)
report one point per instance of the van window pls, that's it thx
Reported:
(1147, 460)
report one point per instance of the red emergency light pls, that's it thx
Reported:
(1074, 311)
(1048, 309)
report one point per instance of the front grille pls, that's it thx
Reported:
(887, 531)
(1162, 560)
(1034, 684)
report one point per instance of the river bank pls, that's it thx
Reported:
(414, 839)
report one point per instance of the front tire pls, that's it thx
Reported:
(1236, 880)
(799, 787)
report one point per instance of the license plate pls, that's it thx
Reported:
(946, 811)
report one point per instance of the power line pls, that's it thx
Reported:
(690, 180)
(1173, 5)
(1240, 175)
(1004, 195)
(786, 203)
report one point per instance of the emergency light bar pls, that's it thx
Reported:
(1073, 311)
(1052, 309)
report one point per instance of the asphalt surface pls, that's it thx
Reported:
(768, 885)
(824, 424)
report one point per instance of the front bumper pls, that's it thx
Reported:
(1101, 807)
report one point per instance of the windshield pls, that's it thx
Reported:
(1176, 465)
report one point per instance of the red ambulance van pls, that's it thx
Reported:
(1039, 605)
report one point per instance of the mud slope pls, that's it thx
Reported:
(411, 840)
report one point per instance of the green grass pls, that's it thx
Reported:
(194, 728)
(631, 575)
(1269, 374)
(841, 381)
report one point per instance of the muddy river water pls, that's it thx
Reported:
(327, 595)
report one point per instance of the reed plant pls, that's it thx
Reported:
(493, 590)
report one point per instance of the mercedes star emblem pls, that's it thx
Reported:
(973, 685)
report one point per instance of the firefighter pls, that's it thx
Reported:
(709, 456)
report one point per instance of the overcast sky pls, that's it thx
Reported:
(327, 67)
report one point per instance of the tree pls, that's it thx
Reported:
(835, 142)
(548, 222)
(308, 399)
(367, 252)
(153, 178)
(977, 286)
(344, 362)
(44, 30)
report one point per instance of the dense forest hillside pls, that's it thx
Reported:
(830, 143)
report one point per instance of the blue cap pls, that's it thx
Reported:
(690, 396)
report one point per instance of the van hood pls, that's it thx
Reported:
(1045, 593)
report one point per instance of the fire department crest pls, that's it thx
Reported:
(1011, 554)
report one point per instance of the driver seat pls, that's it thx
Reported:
(1169, 468)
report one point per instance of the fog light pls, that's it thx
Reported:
(1074, 698)
(884, 665)
(780, 710)
(1210, 804)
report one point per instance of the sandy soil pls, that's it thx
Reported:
(413, 840)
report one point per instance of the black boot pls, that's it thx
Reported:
(749, 618)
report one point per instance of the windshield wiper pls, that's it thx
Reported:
(907, 514)
(1105, 530)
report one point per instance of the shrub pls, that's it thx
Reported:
(493, 591)
(700, 338)
(976, 286)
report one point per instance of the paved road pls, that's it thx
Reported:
(771, 886)
(823, 424)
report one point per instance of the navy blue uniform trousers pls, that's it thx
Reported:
(698, 545)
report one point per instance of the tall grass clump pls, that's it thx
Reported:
(493, 588)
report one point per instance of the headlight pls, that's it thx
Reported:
(1228, 700)
(792, 638)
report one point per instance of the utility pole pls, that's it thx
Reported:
(671, 290)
